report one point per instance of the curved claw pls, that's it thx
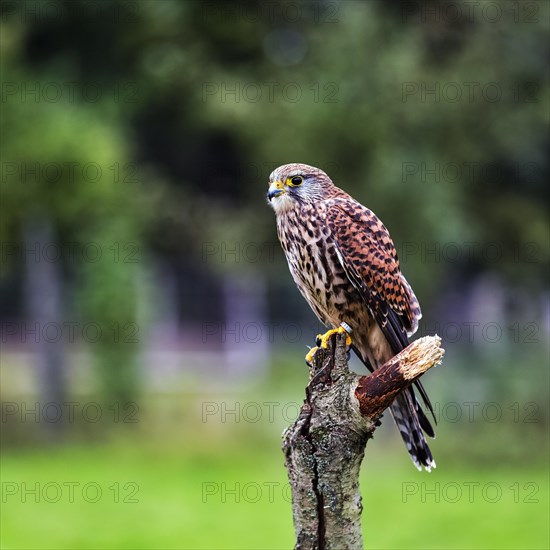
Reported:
(340, 330)
(310, 354)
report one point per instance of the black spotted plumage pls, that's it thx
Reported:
(345, 265)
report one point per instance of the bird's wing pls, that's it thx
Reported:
(370, 261)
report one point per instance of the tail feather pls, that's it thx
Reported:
(404, 412)
(428, 404)
(410, 418)
(422, 418)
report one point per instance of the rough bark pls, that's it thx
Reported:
(325, 446)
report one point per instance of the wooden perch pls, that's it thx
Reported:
(325, 446)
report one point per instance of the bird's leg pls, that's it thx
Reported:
(322, 339)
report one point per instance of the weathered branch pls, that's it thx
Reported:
(325, 446)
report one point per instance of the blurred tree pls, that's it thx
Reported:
(201, 100)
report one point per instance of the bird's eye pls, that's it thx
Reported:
(295, 181)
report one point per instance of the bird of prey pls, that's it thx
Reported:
(345, 265)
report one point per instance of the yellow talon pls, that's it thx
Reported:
(340, 330)
(310, 354)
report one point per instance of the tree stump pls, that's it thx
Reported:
(325, 446)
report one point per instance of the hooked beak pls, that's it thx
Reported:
(275, 189)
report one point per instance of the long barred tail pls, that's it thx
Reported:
(410, 419)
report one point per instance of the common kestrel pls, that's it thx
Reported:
(345, 265)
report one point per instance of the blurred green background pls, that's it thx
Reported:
(152, 338)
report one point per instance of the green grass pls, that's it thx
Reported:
(224, 495)
(219, 482)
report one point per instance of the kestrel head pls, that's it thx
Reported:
(292, 184)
